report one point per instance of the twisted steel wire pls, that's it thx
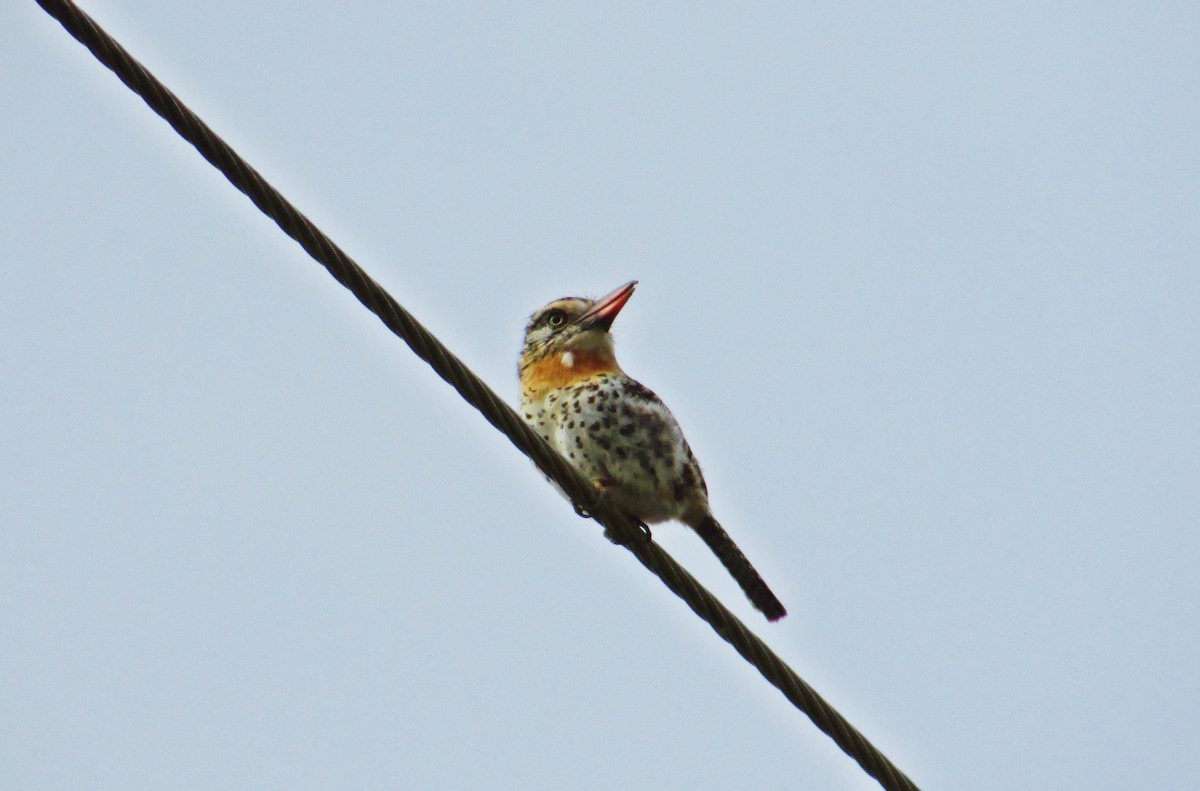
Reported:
(473, 390)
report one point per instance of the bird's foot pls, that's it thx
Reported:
(643, 535)
(603, 485)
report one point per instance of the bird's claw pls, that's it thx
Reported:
(644, 536)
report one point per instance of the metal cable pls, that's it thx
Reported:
(473, 390)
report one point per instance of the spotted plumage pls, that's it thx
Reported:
(616, 432)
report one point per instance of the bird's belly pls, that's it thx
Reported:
(624, 440)
(637, 460)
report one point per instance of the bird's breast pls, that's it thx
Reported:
(562, 370)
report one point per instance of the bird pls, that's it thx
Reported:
(616, 432)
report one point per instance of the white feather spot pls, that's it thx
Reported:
(568, 359)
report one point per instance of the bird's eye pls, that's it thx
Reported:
(556, 319)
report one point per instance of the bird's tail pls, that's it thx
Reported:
(736, 564)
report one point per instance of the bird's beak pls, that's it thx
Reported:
(605, 309)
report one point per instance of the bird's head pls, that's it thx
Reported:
(572, 334)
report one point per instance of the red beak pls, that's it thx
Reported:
(602, 313)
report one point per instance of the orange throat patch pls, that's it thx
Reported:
(562, 369)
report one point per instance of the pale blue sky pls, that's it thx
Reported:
(921, 283)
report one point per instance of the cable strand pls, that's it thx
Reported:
(472, 389)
